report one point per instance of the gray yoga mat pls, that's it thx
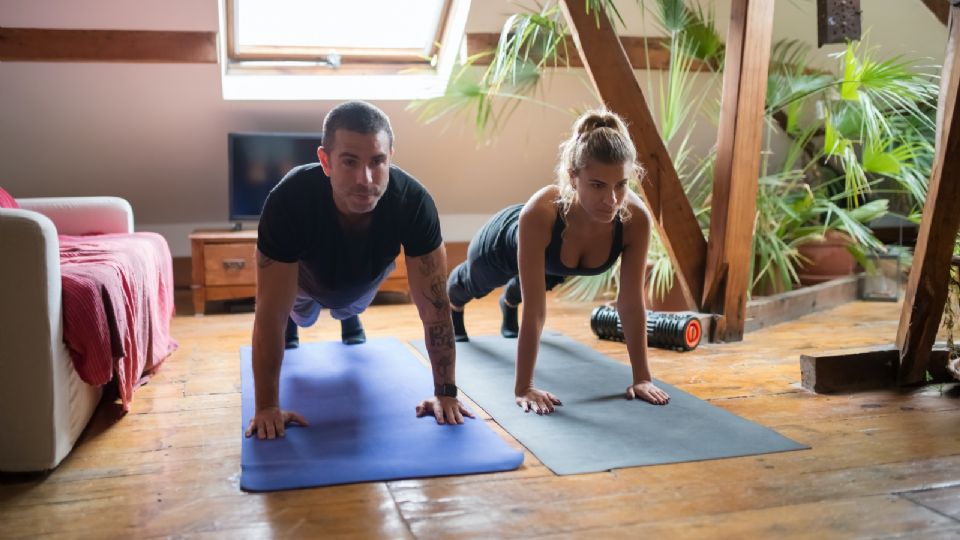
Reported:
(597, 428)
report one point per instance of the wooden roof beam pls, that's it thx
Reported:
(57, 45)
(644, 52)
(940, 9)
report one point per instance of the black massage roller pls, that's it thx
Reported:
(678, 331)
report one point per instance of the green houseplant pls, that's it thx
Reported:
(871, 135)
(873, 138)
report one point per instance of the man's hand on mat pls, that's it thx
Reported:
(538, 401)
(648, 392)
(446, 410)
(271, 422)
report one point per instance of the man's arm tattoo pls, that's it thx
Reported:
(442, 362)
(440, 335)
(428, 265)
(437, 295)
(440, 347)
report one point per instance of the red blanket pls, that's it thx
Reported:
(117, 306)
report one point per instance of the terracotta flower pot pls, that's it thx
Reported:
(828, 259)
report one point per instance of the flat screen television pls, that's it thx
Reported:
(258, 161)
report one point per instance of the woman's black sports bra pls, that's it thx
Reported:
(554, 266)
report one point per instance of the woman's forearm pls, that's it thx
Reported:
(528, 346)
(634, 321)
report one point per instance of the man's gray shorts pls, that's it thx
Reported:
(307, 307)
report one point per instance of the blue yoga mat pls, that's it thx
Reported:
(597, 428)
(360, 402)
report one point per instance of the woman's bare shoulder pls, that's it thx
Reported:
(543, 203)
(640, 221)
(540, 213)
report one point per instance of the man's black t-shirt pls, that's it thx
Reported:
(299, 224)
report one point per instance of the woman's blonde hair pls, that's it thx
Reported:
(598, 135)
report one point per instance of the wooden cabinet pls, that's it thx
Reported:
(224, 268)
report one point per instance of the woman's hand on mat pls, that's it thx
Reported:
(648, 392)
(538, 401)
(447, 410)
(271, 422)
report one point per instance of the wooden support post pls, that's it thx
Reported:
(927, 287)
(727, 277)
(613, 77)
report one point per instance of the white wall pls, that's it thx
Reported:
(156, 133)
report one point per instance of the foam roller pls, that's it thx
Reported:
(677, 331)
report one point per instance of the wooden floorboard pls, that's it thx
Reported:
(943, 500)
(823, 519)
(881, 463)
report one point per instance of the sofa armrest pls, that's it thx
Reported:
(78, 216)
(30, 334)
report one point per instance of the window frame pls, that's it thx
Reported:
(292, 59)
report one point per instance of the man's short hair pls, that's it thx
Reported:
(356, 116)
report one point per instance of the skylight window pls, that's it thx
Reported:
(339, 49)
(336, 31)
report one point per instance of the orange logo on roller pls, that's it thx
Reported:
(693, 333)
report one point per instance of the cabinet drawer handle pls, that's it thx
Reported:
(234, 264)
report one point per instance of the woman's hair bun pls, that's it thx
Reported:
(596, 120)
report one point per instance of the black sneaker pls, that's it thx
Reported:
(509, 327)
(291, 337)
(351, 331)
(459, 330)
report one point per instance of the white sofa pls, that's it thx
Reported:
(44, 405)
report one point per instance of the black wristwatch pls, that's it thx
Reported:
(445, 390)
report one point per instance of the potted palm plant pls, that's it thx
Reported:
(871, 135)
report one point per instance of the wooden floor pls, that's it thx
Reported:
(882, 464)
